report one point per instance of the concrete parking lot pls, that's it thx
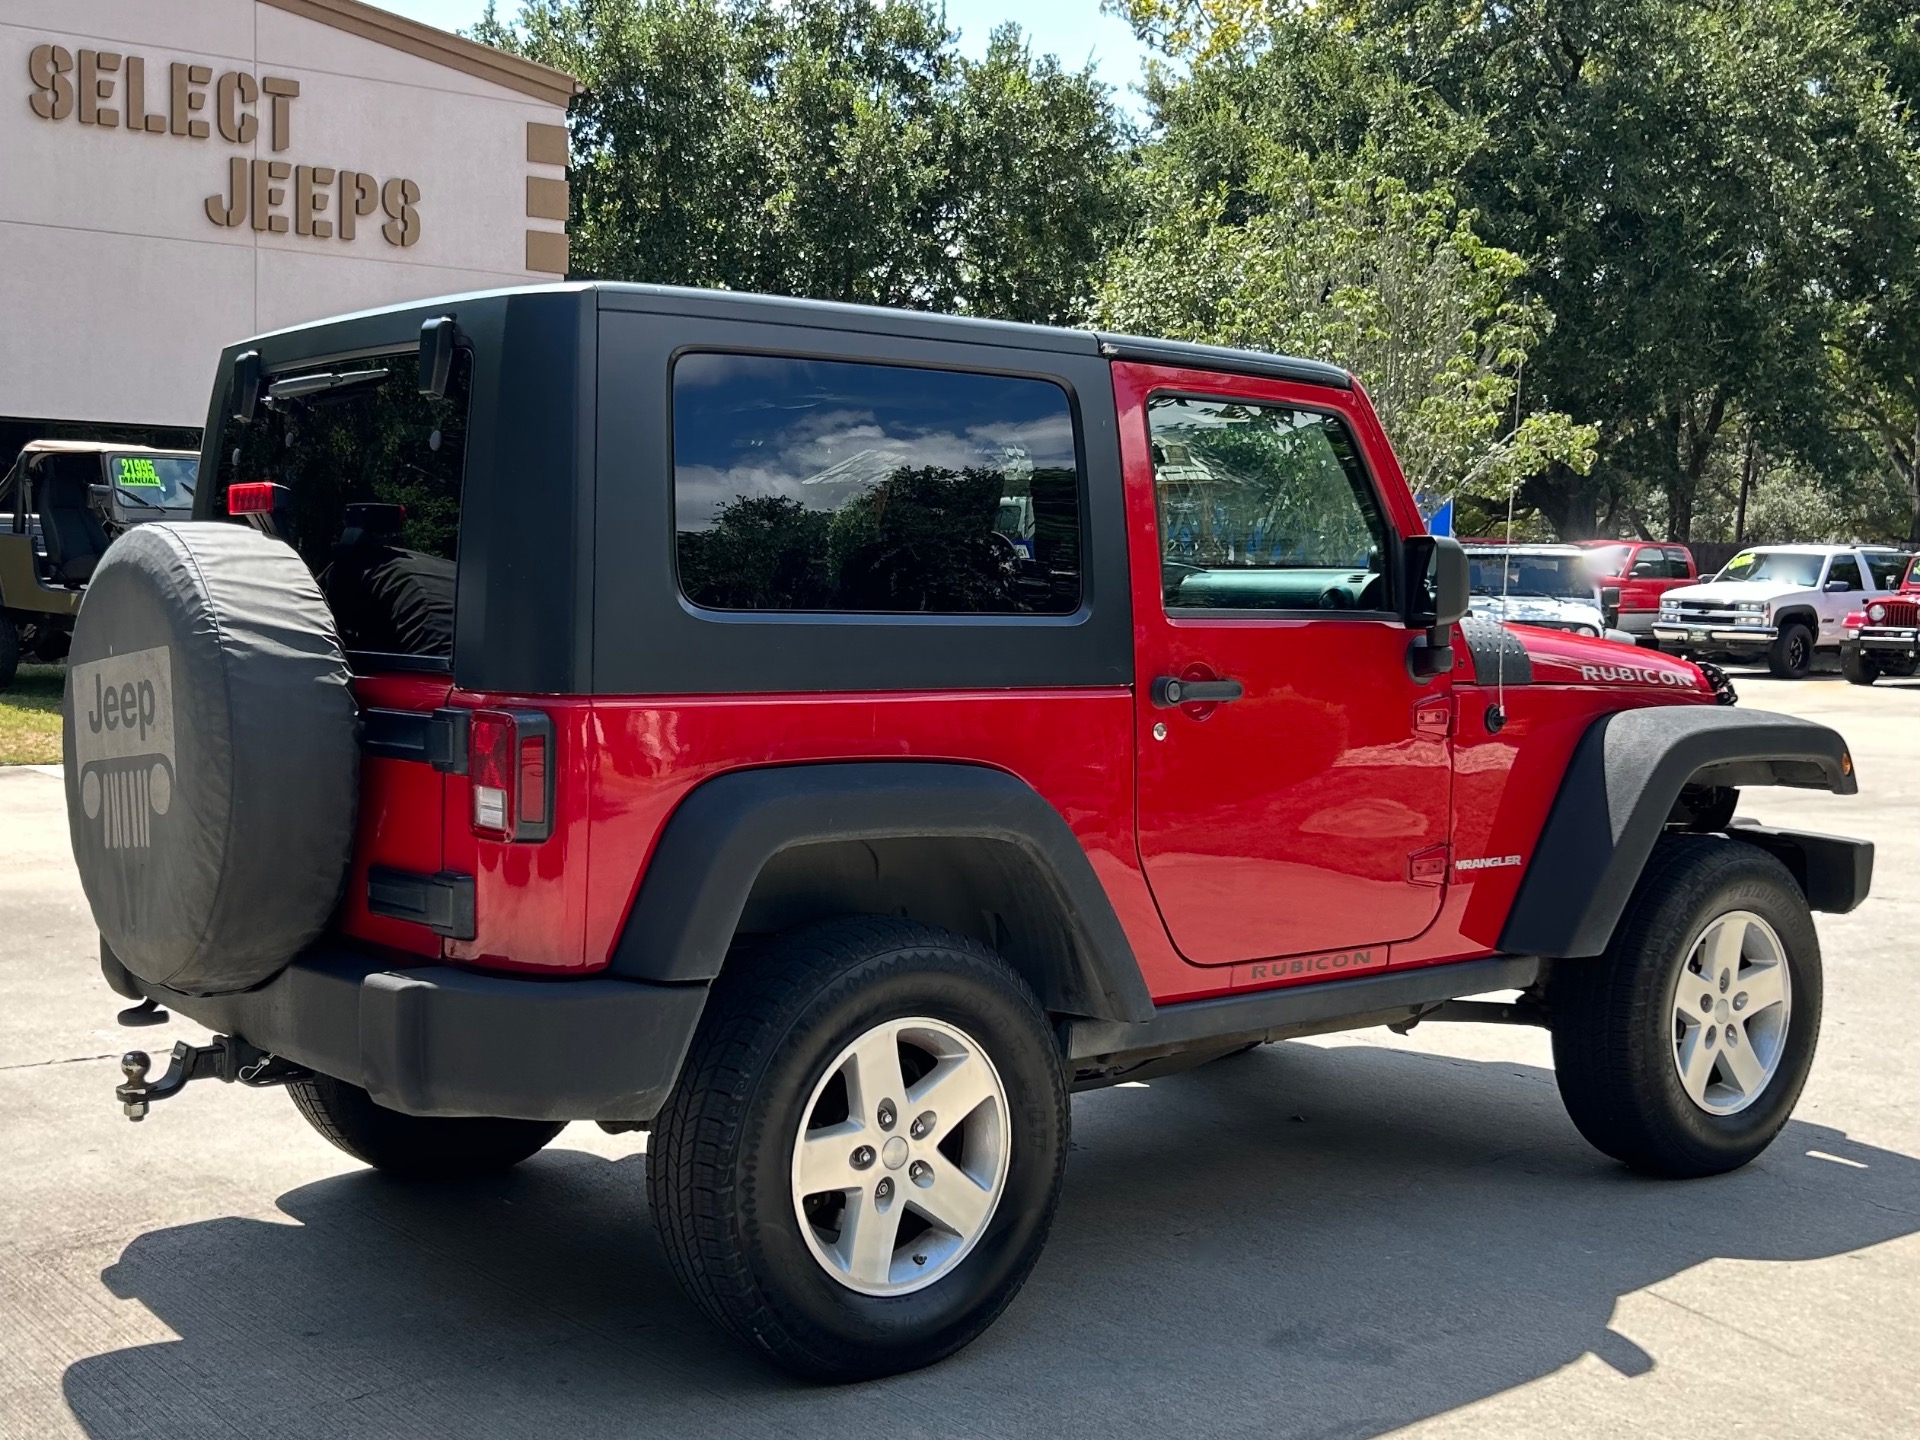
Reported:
(1347, 1237)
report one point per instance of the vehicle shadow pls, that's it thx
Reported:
(1299, 1241)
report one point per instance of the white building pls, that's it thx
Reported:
(179, 174)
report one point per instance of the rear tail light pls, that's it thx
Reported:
(253, 498)
(510, 765)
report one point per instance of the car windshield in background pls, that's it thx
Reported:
(162, 481)
(1779, 567)
(1608, 560)
(1554, 577)
(371, 470)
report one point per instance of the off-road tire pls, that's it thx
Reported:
(719, 1161)
(1858, 668)
(1611, 1016)
(416, 1147)
(9, 650)
(1790, 656)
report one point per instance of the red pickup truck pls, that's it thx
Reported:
(827, 737)
(1642, 571)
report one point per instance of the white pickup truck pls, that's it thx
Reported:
(1780, 603)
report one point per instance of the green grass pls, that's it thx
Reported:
(30, 716)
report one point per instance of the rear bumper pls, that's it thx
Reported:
(441, 1041)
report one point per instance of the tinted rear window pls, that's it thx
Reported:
(370, 472)
(810, 485)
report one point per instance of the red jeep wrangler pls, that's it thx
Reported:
(826, 737)
(1883, 636)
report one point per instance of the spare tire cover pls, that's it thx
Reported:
(212, 758)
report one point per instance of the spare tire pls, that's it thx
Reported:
(212, 759)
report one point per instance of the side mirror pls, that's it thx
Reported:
(1647, 569)
(1435, 597)
(1610, 606)
(1838, 587)
(436, 354)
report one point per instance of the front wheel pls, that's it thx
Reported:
(860, 1162)
(415, 1147)
(1859, 668)
(1682, 1050)
(1790, 655)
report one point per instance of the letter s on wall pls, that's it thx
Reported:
(49, 67)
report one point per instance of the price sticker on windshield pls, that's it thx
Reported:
(137, 470)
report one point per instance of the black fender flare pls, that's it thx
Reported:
(721, 837)
(1798, 614)
(1615, 797)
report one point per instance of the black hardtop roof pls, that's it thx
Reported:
(916, 324)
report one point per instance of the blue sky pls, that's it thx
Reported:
(1075, 30)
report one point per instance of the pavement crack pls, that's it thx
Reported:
(68, 1060)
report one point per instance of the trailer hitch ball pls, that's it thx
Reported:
(134, 1065)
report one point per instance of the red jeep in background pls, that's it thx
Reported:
(1883, 636)
(826, 737)
(1642, 572)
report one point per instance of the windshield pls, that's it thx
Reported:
(1912, 582)
(1777, 566)
(1556, 577)
(1608, 560)
(366, 474)
(162, 481)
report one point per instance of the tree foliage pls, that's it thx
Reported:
(838, 149)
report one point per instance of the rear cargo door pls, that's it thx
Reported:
(361, 472)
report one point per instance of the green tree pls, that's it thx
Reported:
(1390, 282)
(1709, 194)
(836, 149)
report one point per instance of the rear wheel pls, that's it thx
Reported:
(859, 1165)
(1682, 1050)
(416, 1147)
(1859, 668)
(1791, 654)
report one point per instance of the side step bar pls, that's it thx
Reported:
(1393, 998)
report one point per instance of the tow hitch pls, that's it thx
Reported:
(228, 1058)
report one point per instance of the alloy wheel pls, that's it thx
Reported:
(1732, 1003)
(901, 1156)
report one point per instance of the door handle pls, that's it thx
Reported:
(1169, 692)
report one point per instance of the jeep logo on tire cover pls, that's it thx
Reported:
(123, 740)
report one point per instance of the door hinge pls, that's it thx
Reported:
(1429, 866)
(444, 903)
(1433, 717)
(437, 738)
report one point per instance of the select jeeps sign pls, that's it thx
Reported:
(123, 743)
(184, 100)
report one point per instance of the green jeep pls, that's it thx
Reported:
(63, 502)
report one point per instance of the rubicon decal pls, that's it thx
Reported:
(123, 743)
(1336, 962)
(1490, 862)
(1636, 675)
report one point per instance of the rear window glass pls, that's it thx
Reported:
(159, 482)
(811, 485)
(367, 473)
(1886, 568)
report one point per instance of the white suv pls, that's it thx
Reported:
(1778, 602)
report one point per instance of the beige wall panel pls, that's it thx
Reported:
(288, 39)
(298, 285)
(142, 345)
(200, 27)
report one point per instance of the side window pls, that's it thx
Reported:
(811, 485)
(1678, 565)
(1886, 567)
(1263, 507)
(1648, 564)
(1846, 568)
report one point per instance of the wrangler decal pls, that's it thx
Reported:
(1489, 862)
